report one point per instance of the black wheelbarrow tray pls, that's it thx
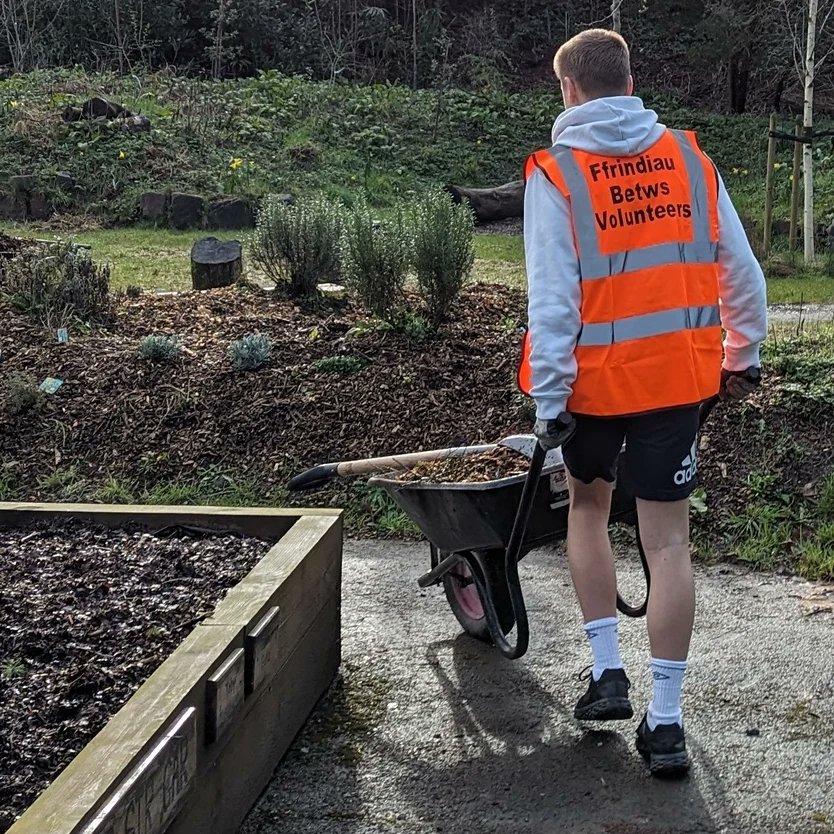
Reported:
(477, 534)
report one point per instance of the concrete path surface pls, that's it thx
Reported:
(429, 731)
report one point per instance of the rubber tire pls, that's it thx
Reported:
(495, 577)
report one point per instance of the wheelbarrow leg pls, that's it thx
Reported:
(622, 605)
(512, 553)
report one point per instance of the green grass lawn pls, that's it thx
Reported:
(158, 259)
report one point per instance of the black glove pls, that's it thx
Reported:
(736, 385)
(554, 433)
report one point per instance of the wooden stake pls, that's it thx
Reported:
(797, 163)
(771, 161)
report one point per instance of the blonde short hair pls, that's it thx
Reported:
(597, 60)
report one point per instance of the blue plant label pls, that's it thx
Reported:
(50, 385)
(63, 336)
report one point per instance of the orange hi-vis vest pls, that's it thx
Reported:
(645, 230)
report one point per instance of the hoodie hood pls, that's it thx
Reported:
(613, 126)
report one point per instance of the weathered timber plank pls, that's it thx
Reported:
(267, 522)
(230, 788)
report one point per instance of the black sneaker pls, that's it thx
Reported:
(664, 748)
(606, 699)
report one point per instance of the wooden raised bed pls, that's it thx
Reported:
(195, 745)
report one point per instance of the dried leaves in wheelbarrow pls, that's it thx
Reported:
(477, 468)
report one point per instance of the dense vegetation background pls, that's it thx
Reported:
(727, 55)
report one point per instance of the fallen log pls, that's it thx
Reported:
(491, 204)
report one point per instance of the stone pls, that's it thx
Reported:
(136, 124)
(262, 644)
(40, 207)
(286, 199)
(99, 107)
(230, 213)
(153, 205)
(186, 211)
(72, 114)
(224, 695)
(23, 184)
(12, 206)
(215, 263)
(149, 798)
(65, 181)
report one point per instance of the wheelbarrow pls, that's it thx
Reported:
(478, 532)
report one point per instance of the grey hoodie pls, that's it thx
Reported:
(617, 126)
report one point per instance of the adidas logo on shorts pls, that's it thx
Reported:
(689, 466)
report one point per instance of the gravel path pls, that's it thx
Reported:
(431, 732)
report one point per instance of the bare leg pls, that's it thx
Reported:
(664, 529)
(589, 549)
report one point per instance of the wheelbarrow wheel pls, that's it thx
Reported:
(465, 601)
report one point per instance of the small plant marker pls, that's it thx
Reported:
(50, 385)
(63, 336)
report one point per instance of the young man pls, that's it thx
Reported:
(636, 259)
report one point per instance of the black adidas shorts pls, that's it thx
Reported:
(659, 462)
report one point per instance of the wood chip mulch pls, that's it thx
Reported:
(86, 615)
(118, 415)
(472, 469)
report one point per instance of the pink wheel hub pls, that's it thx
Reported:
(466, 591)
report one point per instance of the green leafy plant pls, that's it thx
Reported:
(65, 484)
(376, 256)
(251, 352)
(443, 251)
(57, 283)
(8, 483)
(340, 364)
(816, 560)
(158, 348)
(114, 491)
(297, 246)
(825, 503)
(12, 669)
(20, 393)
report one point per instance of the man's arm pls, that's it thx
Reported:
(741, 287)
(554, 295)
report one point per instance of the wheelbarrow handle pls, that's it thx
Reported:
(324, 472)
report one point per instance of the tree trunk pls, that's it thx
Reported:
(215, 263)
(615, 14)
(738, 76)
(808, 124)
(490, 204)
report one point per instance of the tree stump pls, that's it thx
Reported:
(215, 263)
(491, 204)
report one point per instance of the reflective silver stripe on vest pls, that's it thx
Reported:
(699, 196)
(651, 324)
(593, 264)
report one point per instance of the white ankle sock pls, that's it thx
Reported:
(665, 706)
(605, 645)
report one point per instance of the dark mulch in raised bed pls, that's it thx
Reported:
(86, 615)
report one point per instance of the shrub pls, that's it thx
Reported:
(443, 251)
(20, 393)
(250, 352)
(376, 257)
(158, 348)
(297, 246)
(57, 283)
(340, 364)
